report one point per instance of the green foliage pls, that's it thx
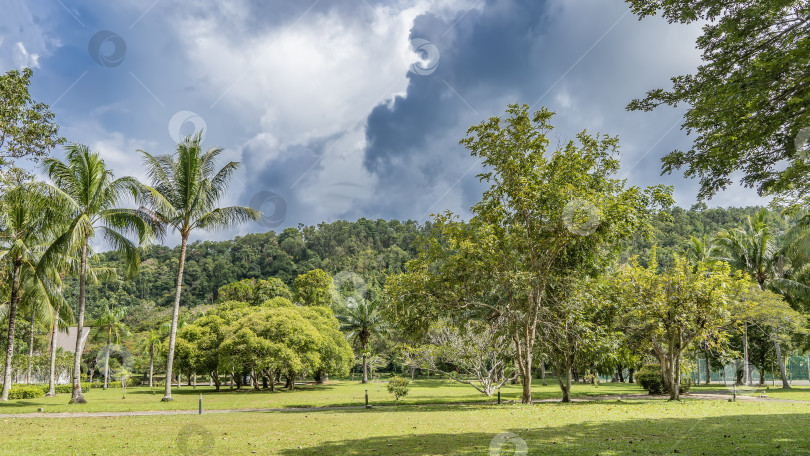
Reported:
(26, 392)
(254, 291)
(26, 127)
(649, 377)
(315, 288)
(747, 102)
(398, 386)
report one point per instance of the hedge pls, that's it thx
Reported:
(25, 392)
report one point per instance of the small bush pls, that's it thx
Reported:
(25, 392)
(686, 384)
(68, 389)
(649, 377)
(398, 386)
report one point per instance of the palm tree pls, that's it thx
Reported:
(151, 345)
(362, 319)
(184, 193)
(29, 219)
(91, 193)
(112, 328)
(755, 249)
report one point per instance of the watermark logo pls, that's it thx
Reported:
(508, 439)
(429, 57)
(107, 48)
(803, 143)
(116, 359)
(581, 217)
(736, 381)
(265, 199)
(348, 285)
(195, 439)
(182, 118)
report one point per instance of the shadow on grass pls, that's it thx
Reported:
(725, 435)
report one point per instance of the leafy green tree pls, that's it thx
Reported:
(92, 195)
(254, 291)
(748, 100)
(110, 328)
(336, 356)
(184, 193)
(545, 217)
(755, 249)
(29, 219)
(362, 320)
(26, 127)
(673, 309)
(315, 288)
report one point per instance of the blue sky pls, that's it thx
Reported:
(330, 106)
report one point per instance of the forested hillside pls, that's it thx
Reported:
(370, 248)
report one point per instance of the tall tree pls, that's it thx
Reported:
(755, 249)
(748, 101)
(362, 320)
(89, 190)
(184, 192)
(26, 127)
(151, 345)
(544, 217)
(29, 219)
(110, 328)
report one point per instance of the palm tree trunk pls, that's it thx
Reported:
(167, 397)
(12, 317)
(77, 396)
(52, 368)
(107, 364)
(781, 362)
(30, 348)
(746, 365)
(151, 367)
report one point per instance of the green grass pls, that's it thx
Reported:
(596, 428)
(629, 427)
(338, 393)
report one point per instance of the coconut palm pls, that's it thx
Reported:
(362, 319)
(110, 327)
(29, 219)
(92, 194)
(151, 344)
(184, 193)
(755, 248)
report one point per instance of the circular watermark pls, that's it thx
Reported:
(581, 217)
(107, 48)
(508, 439)
(348, 285)
(195, 439)
(182, 118)
(265, 198)
(429, 57)
(803, 143)
(736, 381)
(119, 363)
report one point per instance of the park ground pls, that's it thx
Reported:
(436, 418)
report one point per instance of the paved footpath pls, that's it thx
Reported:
(702, 396)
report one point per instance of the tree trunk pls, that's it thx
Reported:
(746, 363)
(524, 360)
(179, 379)
(621, 373)
(365, 366)
(194, 385)
(151, 367)
(52, 353)
(566, 386)
(107, 364)
(781, 362)
(761, 378)
(12, 317)
(30, 348)
(77, 397)
(631, 371)
(708, 370)
(167, 397)
(543, 372)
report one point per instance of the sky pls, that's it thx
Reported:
(341, 109)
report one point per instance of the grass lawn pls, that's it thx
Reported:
(337, 393)
(629, 427)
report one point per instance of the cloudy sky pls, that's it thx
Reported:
(340, 109)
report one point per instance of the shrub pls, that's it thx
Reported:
(398, 386)
(686, 384)
(68, 389)
(25, 392)
(649, 377)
